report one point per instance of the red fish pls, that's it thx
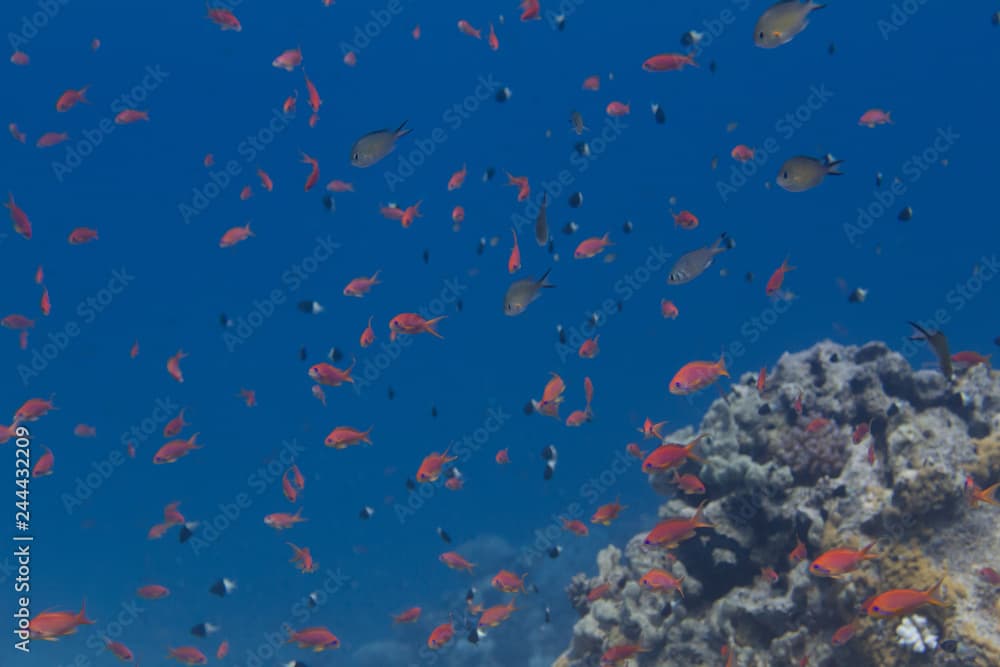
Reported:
(331, 376)
(120, 651)
(283, 520)
(689, 484)
(530, 10)
(457, 179)
(368, 335)
(774, 282)
(440, 636)
(288, 106)
(990, 576)
(685, 220)
(668, 62)
(222, 651)
(315, 102)
(82, 235)
(977, 495)
(456, 562)
(508, 582)
(651, 431)
(618, 654)
(861, 431)
(496, 615)
(838, 562)
(668, 309)
(431, 466)
(742, 153)
(903, 602)
(761, 380)
(288, 60)
(320, 395)
(769, 575)
(589, 349)
(33, 410)
(466, 28)
(249, 397)
(265, 180)
(225, 19)
(598, 592)
(634, 451)
(71, 98)
(44, 464)
(592, 83)
(412, 324)
(339, 186)
(84, 431)
(318, 639)
(22, 225)
(514, 261)
(176, 449)
(874, 117)
(661, 581)
(797, 554)
(246, 193)
(524, 187)
(303, 559)
(235, 235)
(16, 133)
(410, 213)
(697, 375)
(969, 358)
(20, 58)
(817, 425)
(605, 514)
(350, 58)
(174, 365)
(314, 174)
(359, 287)
(844, 633)
(153, 592)
(592, 247)
(50, 139)
(411, 615)
(51, 625)
(175, 425)
(670, 455)
(492, 39)
(615, 109)
(129, 116)
(342, 437)
(17, 322)
(576, 527)
(671, 532)
(415, 32)
(458, 214)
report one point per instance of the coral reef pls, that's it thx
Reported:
(783, 466)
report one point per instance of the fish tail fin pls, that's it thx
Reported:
(813, 6)
(689, 450)
(607, 238)
(988, 495)
(866, 555)
(931, 592)
(543, 282)
(699, 519)
(832, 165)
(679, 588)
(374, 277)
(721, 364)
(430, 326)
(402, 130)
(785, 268)
(298, 514)
(81, 618)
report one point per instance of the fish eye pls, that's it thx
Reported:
(355, 156)
(785, 175)
(760, 35)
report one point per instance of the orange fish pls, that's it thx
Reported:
(502, 457)
(742, 153)
(530, 10)
(153, 592)
(458, 214)
(20, 58)
(283, 520)
(845, 633)
(32, 410)
(668, 62)
(508, 582)
(225, 19)
(331, 376)
(769, 575)
(576, 527)
(71, 98)
(314, 174)
(661, 581)
(669, 455)
(970, 358)
(246, 193)
(16, 133)
(774, 282)
(176, 449)
(51, 625)
(303, 559)
(344, 436)
(416, 32)
(288, 60)
(457, 179)
(697, 375)
(175, 425)
(430, 467)
(82, 235)
(235, 235)
(314, 99)
(129, 116)
(592, 83)
(45, 304)
(350, 58)
(339, 186)
(22, 225)
(320, 395)
(39, 275)
(50, 139)
(84, 431)
(598, 592)
(412, 324)
(410, 213)
(496, 615)
(671, 532)
(838, 562)
(668, 309)
(605, 514)
(903, 602)
(318, 639)
(524, 187)
(514, 261)
(265, 180)
(977, 495)
(817, 425)
(440, 636)
(797, 554)
(249, 397)
(456, 562)
(368, 335)
(651, 431)
(618, 654)
(685, 219)
(592, 247)
(492, 39)
(361, 286)
(174, 366)
(634, 451)
(300, 481)
(689, 484)
(44, 464)
(466, 27)
(222, 651)
(288, 106)
(589, 348)
(615, 109)
(411, 615)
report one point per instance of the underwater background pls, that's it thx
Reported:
(156, 275)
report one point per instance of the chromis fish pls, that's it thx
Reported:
(524, 292)
(541, 223)
(802, 172)
(782, 22)
(694, 263)
(374, 146)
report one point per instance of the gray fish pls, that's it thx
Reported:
(374, 146)
(693, 264)
(802, 173)
(541, 223)
(782, 22)
(523, 292)
(939, 344)
(577, 121)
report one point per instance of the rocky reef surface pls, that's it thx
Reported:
(782, 467)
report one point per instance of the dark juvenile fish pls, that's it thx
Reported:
(541, 223)
(939, 344)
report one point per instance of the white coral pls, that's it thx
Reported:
(915, 634)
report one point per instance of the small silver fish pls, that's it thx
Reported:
(576, 120)
(524, 292)
(374, 146)
(541, 223)
(782, 22)
(802, 173)
(694, 263)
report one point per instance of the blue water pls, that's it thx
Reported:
(211, 91)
